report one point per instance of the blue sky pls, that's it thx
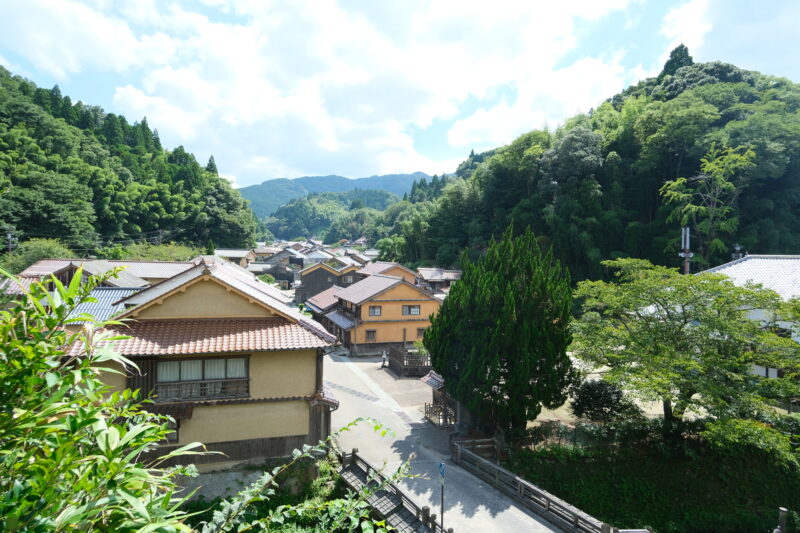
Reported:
(355, 87)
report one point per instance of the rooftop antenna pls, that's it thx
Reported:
(685, 246)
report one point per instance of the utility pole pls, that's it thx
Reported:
(685, 246)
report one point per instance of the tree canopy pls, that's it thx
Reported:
(500, 337)
(689, 342)
(90, 178)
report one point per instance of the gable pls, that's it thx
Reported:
(400, 272)
(204, 299)
(402, 291)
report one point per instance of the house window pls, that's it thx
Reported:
(374, 310)
(189, 379)
(410, 309)
(330, 278)
(420, 332)
(348, 279)
(371, 336)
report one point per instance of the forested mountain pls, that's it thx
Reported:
(90, 178)
(314, 214)
(610, 183)
(268, 196)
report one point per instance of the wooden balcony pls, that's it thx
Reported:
(212, 389)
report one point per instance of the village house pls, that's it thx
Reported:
(780, 273)
(320, 304)
(240, 257)
(388, 269)
(378, 313)
(437, 279)
(222, 353)
(321, 276)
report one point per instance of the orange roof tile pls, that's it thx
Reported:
(215, 335)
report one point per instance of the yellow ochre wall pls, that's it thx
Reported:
(204, 299)
(272, 375)
(390, 325)
(400, 273)
(117, 382)
(223, 423)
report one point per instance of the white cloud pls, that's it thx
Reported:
(282, 89)
(687, 24)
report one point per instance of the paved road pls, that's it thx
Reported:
(364, 390)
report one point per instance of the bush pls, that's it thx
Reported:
(601, 401)
(33, 250)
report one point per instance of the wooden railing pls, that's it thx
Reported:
(203, 390)
(440, 414)
(402, 513)
(539, 501)
(409, 364)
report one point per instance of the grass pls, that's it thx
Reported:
(688, 488)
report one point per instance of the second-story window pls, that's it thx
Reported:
(190, 379)
(348, 279)
(411, 310)
(374, 310)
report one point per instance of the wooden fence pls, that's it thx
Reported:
(541, 502)
(409, 364)
(390, 502)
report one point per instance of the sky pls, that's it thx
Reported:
(360, 87)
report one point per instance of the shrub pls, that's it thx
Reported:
(601, 401)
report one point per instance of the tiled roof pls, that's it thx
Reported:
(46, 267)
(433, 379)
(221, 252)
(268, 250)
(340, 319)
(325, 299)
(377, 267)
(15, 286)
(238, 278)
(367, 288)
(122, 279)
(781, 273)
(106, 305)
(212, 335)
(154, 269)
(439, 274)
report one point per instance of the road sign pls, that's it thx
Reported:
(441, 473)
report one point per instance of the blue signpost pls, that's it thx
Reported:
(441, 480)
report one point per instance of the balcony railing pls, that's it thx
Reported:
(203, 390)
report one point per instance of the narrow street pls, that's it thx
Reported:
(365, 390)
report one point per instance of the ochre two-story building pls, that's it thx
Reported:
(379, 312)
(237, 369)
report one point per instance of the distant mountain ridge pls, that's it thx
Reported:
(265, 198)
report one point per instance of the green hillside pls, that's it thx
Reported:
(595, 187)
(90, 178)
(265, 198)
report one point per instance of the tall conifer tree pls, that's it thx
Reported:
(500, 338)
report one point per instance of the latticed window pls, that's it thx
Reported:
(188, 379)
(410, 309)
(371, 335)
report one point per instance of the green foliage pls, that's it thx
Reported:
(28, 252)
(688, 341)
(68, 447)
(73, 172)
(330, 215)
(500, 337)
(150, 252)
(736, 436)
(601, 401)
(692, 489)
(267, 278)
(590, 189)
(708, 202)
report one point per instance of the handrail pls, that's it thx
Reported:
(529, 495)
(423, 514)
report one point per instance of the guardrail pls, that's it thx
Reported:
(541, 502)
(394, 506)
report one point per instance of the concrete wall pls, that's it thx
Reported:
(204, 299)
